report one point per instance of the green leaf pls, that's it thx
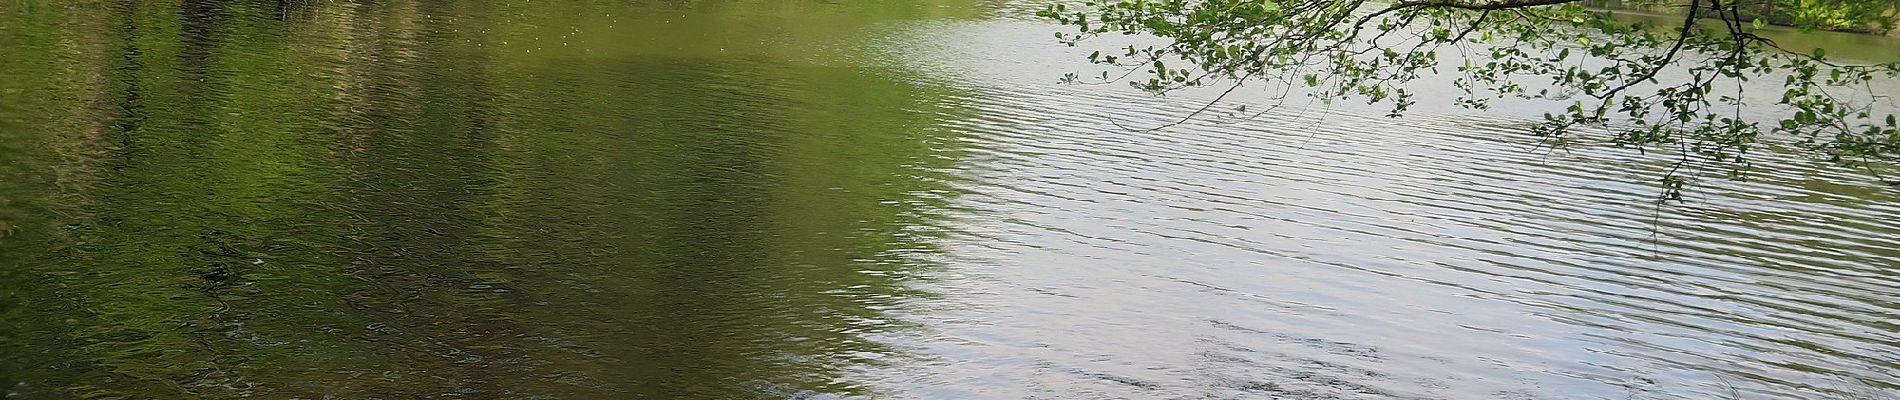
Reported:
(1759, 24)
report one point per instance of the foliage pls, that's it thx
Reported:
(1676, 87)
(1838, 14)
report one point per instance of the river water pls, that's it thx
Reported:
(878, 199)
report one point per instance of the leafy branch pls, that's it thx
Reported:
(1657, 88)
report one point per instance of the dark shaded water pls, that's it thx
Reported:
(611, 199)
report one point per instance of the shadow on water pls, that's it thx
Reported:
(404, 199)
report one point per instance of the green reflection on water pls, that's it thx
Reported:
(420, 198)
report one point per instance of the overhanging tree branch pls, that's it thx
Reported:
(1575, 51)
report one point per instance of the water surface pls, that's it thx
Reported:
(613, 199)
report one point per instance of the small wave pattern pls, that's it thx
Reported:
(1317, 254)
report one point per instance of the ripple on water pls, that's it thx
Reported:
(1323, 253)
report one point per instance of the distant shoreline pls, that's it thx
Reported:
(1619, 7)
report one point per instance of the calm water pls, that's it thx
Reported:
(884, 199)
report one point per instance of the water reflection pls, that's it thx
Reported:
(422, 199)
(612, 199)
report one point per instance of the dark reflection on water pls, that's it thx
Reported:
(438, 199)
(624, 199)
